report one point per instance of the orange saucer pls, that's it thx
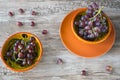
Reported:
(73, 44)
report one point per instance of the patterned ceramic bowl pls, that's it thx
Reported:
(12, 63)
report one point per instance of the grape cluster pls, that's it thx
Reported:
(92, 24)
(22, 52)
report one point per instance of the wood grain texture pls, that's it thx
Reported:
(51, 14)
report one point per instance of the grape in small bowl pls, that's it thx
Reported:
(21, 51)
(91, 25)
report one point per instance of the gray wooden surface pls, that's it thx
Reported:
(51, 14)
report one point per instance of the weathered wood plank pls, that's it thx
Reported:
(51, 14)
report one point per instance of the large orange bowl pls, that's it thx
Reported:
(81, 47)
(20, 35)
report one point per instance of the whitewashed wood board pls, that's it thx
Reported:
(51, 14)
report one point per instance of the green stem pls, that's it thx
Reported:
(99, 11)
(18, 59)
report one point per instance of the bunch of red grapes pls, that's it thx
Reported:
(92, 24)
(22, 52)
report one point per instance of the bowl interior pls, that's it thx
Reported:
(75, 29)
(9, 42)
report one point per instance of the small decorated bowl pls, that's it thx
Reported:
(21, 51)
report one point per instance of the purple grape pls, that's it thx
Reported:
(89, 31)
(96, 19)
(104, 21)
(76, 23)
(59, 61)
(30, 56)
(82, 24)
(85, 33)
(96, 34)
(24, 61)
(29, 62)
(33, 44)
(83, 18)
(86, 23)
(96, 29)
(32, 39)
(44, 32)
(85, 37)
(15, 48)
(30, 50)
(22, 42)
(89, 13)
(20, 55)
(28, 46)
(95, 6)
(81, 32)
(104, 29)
(22, 51)
(97, 23)
(20, 46)
(16, 44)
(18, 41)
(90, 7)
(9, 54)
(31, 47)
(90, 23)
(86, 17)
(87, 28)
(84, 72)
(90, 36)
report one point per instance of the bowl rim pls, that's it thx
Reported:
(87, 41)
(27, 68)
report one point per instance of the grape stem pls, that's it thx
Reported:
(18, 59)
(97, 13)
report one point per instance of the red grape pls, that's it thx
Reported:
(21, 10)
(59, 61)
(19, 23)
(76, 23)
(90, 7)
(32, 39)
(9, 54)
(20, 55)
(95, 6)
(11, 14)
(84, 72)
(24, 61)
(29, 62)
(34, 13)
(32, 23)
(44, 32)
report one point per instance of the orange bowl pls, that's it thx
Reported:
(87, 41)
(9, 41)
(80, 47)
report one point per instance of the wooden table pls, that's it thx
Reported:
(51, 14)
